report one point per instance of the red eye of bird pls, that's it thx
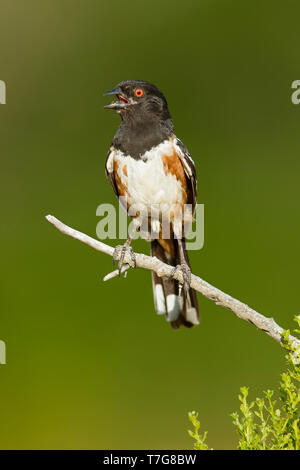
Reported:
(139, 92)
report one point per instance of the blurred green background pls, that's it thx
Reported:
(89, 364)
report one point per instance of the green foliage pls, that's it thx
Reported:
(267, 423)
(199, 443)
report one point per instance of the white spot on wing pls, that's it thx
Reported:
(184, 157)
(110, 162)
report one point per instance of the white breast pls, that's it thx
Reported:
(146, 180)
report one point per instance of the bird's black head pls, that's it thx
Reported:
(139, 101)
(146, 121)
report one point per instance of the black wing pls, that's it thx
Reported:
(109, 169)
(189, 170)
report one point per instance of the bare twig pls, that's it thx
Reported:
(241, 310)
(116, 273)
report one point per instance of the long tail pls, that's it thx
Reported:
(180, 309)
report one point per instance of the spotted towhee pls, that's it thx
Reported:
(149, 167)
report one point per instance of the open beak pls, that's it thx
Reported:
(117, 105)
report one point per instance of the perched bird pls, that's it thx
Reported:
(149, 167)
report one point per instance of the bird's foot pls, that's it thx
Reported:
(120, 252)
(186, 274)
